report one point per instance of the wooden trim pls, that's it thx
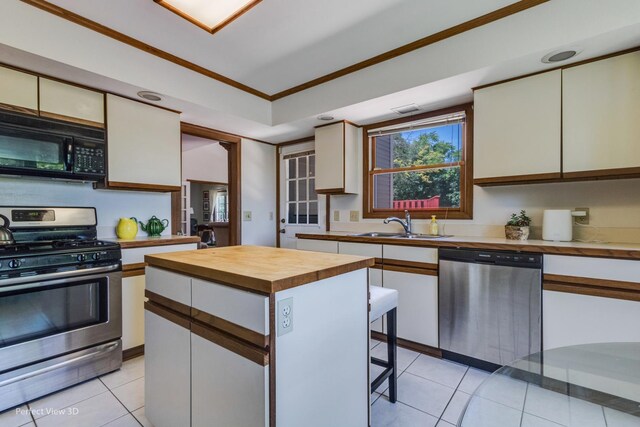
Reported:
(465, 211)
(168, 303)
(16, 109)
(415, 168)
(296, 141)
(123, 38)
(197, 181)
(255, 354)
(142, 187)
(131, 270)
(410, 345)
(70, 119)
(278, 223)
(412, 264)
(210, 30)
(147, 242)
(176, 208)
(518, 179)
(603, 174)
(344, 122)
(327, 213)
(230, 328)
(595, 287)
(485, 19)
(412, 270)
(272, 359)
(377, 265)
(331, 191)
(208, 133)
(133, 352)
(172, 316)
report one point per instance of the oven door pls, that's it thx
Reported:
(51, 314)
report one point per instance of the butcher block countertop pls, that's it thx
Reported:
(146, 241)
(256, 268)
(603, 250)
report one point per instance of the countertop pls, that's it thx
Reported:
(256, 268)
(604, 250)
(146, 241)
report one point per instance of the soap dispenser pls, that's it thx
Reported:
(433, 227)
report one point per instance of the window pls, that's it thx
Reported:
(222, 207)
(421, 164)
(302, 200)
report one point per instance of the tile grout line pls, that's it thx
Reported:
(31, 414)
(524, 403)
(454, 393)
(124, 406)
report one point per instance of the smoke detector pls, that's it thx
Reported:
(406, 109)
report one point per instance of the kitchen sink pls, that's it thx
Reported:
(419, 236)
(377, 234)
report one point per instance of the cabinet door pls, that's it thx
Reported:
(601, 106)
(317, 245)
(132, 311)
(417, 305)
(517, 128)
(221, 377)
(571, 319)
(18, 91)
(329, 146)
(375, 279)
(72, 103)
(167, 367)
(143, 146)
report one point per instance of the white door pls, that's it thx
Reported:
(301, 210)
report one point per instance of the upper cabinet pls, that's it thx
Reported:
(18, 91)
(71, 103)
(143, 150)
(600, 121)
(517, 130)
(337, 159)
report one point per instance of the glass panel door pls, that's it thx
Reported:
(34, 313)
(22, 148)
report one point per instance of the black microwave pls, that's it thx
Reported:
(36, 146)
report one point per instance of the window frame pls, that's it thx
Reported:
(308, 155)
(465, 211)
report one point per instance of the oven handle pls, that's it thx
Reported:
(100, 351)
(4, 283)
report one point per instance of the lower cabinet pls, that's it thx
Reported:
(168, 373)
(221, 376)
(571, 319)
(132, 311)
(375, 279)
(417, 305)
(317, 245)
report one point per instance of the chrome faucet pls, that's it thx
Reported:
(406, 224)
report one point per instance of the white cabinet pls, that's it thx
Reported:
(220, 376)
(132, 311)
(167, 385)
(417, 305)
(337, 158)
(317, 245)
(143, 150)
(71, 103)
(411, 254)
(517, 129)
(375, 279)
(18, 91)
(601, 106)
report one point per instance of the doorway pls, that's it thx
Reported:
(210, 195)
(301, 209)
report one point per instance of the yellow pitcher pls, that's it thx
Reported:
(127, 228)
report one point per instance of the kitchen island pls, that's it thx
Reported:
(256, 336)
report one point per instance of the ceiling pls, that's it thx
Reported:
(281, 43)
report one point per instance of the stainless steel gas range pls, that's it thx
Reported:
(60, 302)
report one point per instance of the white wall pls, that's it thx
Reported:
(203, 160)
(258, 193)
(110, 204)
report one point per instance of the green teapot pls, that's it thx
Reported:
(154, 226)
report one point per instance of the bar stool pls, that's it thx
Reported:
(383, 300)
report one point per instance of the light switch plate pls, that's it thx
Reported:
(354, 216)
(285, 316)
(336, 215)
(246, 215)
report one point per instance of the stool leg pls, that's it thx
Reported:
(391, 354)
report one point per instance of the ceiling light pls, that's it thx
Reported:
(406, 109)
(559, 55)
(209, 15)
(150, 96)
(325, 117)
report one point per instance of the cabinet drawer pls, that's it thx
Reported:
(362, 249)
(410, 253)
(170, 285)
(136, 255)
(246, 309)
(317, 245)
(596, 268)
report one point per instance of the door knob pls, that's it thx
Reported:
(282, 220)
(282, 231)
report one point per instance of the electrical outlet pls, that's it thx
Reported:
(246, 215)
(354, 216)
(285, 316)
(582, 220)
(336, 215)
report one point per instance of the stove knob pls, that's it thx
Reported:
(81, 257)
(14, 263)
(95, 256)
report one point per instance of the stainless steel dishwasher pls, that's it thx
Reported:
(490, 306)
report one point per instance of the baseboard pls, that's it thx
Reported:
(132, 352)
(410, 345)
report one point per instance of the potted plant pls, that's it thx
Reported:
(518, 226)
